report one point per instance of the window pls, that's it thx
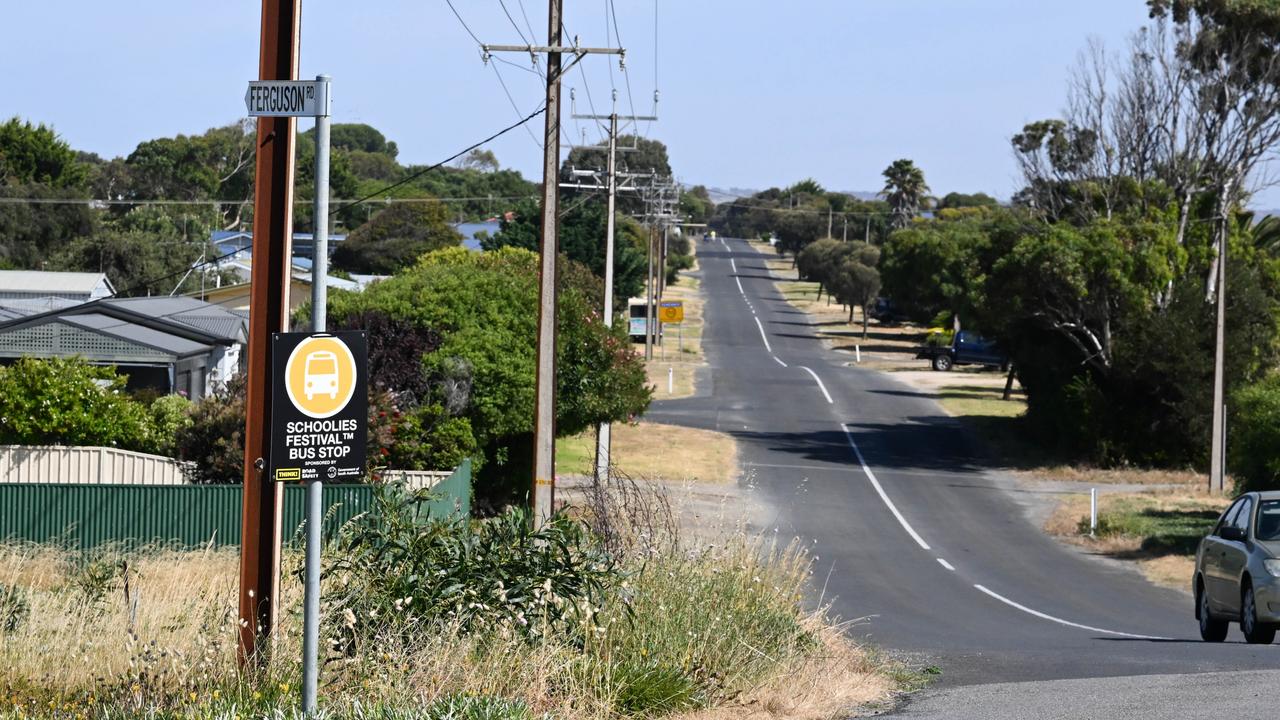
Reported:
(1241, 518)
(1268, 520)
(1229, 517)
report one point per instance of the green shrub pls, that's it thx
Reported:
(1254, 436)
(476, 707)
(400, 571)
(70, 402)
(170, 415)
(648, 689)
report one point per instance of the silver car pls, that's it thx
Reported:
(1237, 575)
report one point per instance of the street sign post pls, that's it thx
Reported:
(312, 458)
(672, 311)
(287, 98)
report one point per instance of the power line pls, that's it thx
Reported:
(464, 22)
(442, 163)
(94, 201)
(507, 91)
(617, 36)
(505, 11)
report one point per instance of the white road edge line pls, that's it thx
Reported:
(733, 264)
(763, 337)
(1060, 621)
(880, 491)
(946, 564)
(777, 360)
(821, 387)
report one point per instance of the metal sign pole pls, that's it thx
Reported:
(315, 488)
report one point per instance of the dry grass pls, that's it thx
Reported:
(170, 615)
(1156, 529)
(1188, 479)
(836, 682)
(724, 613)
(656, 451)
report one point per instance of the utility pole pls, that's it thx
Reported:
(268, 313)
(648, 298)
(845, 235)
(830, 217)
(542, 495)
(1218, 443)
(605, 430)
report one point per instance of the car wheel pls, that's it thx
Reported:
(1211, 628)
(1255, 632)
(942, 363)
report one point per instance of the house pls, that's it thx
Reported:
(241, 241)
(35, 285)
(235, 297)
(169, 344)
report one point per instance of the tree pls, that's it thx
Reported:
(905, 190)
(395, 238)
(696, 205)
(955, 200)
(481, 160)
(35, 155)
(857, 282)
(582, 239)
(642, 156)
(69, 402)
(934, 268)
(359, 137)
(483, 305)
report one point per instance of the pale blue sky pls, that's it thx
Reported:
(753, 93)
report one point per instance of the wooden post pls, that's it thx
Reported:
(268, 313)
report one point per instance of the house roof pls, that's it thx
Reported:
(41, 281)
(213, 319)
(138, 333)
(22, 307)
(190, 325)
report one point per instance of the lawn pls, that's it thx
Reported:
(1159, 530)
(655, 451)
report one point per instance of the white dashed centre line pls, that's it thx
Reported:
(946, 564)
(763, 337)
(1060, 621)
(775, 359)
(821, 387)
(880, 491)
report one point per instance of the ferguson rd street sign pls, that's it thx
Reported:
(287, 98)
(319, 411)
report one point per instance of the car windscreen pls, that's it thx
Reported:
(1268, 520)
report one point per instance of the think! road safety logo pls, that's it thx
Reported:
(320, 376)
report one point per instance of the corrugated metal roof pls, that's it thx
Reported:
(133, 332)
(40, 281)
(22, 307)
(189, 311)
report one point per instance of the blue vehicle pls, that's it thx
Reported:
(966, 348)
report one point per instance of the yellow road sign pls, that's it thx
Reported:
(671, 311)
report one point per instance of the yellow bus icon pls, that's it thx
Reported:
(320, 376)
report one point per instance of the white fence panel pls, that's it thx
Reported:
(86, 465)
(416, 479)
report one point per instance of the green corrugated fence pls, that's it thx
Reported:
(87, 516)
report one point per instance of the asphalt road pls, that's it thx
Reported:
(913, 535)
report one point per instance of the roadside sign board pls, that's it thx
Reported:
(671, 311)
(287, 98)
(319, 409)
(636, 326)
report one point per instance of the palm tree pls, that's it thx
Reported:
(905, 190)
